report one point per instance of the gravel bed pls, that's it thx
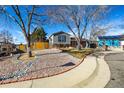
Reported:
(46, 64)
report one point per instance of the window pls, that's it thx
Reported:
(62, 38)
(4, 49)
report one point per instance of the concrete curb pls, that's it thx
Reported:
(99, 78)
(89, 79)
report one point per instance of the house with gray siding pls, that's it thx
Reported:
(59, 39)
(63, 39)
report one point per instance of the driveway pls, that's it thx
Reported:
(116, 64)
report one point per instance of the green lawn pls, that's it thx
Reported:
(78, 53)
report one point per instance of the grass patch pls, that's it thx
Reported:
(25, 58)
(78, 53)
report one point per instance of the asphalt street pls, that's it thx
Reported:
(116, 64)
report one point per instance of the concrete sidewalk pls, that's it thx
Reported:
(99, 78)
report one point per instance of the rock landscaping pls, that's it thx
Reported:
(46, 63)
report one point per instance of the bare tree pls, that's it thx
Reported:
(79, 17)
(98, 31)
(6, 36)
(24, 17)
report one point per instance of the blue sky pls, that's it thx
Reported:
(115, 17)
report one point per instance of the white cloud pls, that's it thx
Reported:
(19, 38)
(20, 33)
(117, 27)
(15, 40)
(116, 32)
(75, 30)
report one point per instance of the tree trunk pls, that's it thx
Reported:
(29, 49)
(87, 44)
(78, 46)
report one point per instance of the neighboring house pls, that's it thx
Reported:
(6, 48)
(111, 41)
(59, 39)
(74, 42)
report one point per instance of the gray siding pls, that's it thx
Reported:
(54, 39)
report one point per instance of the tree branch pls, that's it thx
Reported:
(12, 17)
(88, 18)
(17, 12)
(29, 21)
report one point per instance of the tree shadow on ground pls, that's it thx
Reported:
(47, 54)
(68, 64)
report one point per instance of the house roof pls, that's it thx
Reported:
(73, 39)
(60, 32)
(111, 37)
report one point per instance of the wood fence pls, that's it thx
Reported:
(34, 46)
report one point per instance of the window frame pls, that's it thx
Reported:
(62, 38)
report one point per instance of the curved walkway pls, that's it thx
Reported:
(100, 77)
